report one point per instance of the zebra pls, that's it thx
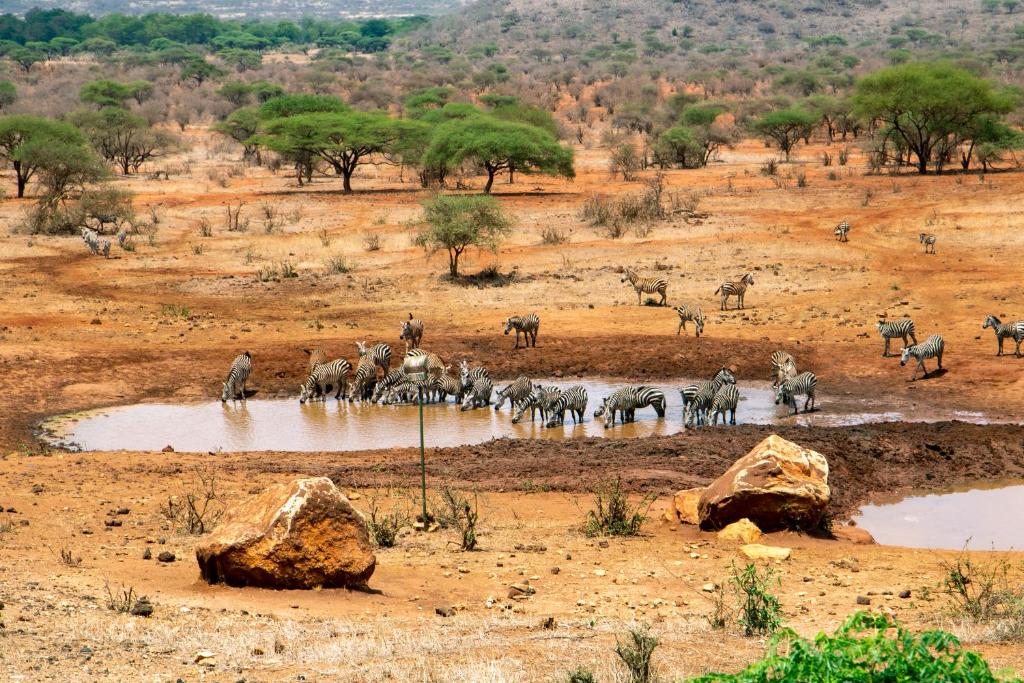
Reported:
(928, 241)
(932, 347)
(468, 376)
(737, 289)
(527, 325)
(392, 379)
(478, 395)
(697, 397)
(841, 231)
(234, 385)
(316, 357)
(649, 396)
(783, 367)
(92, 240)
(573, 399)
(324, 377)
(687, 314)
(1004, 330)
(364, 379)
(105, 248)
(890, 329)
(405, 391)
(515, 392)
(535, 401)
(621, 401)
(726, 399)
(787, 391)
(412, 333)
(122, 238)
(447, 385)
(379, 353)
(435, 366)
(647, 285)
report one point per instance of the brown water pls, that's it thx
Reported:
(979, 518)
(286, 425)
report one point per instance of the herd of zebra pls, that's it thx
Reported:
(842, 231)
(98, 246)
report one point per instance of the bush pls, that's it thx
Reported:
(759, 608)
(613, 515)
(985, 593)
(582, 675)
(338, 265)
(457, 513)
(384, 527)
(553, 235)
(636, 654)
(770, 167)
(372, 242)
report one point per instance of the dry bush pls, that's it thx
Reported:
(553, 235)
(233, 219)
(372, 242)
(456, 512)
(200, 506)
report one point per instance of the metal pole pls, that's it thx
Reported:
(423, 464)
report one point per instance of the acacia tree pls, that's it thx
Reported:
(498, 145)
(696, 137)
(242, 125)
(21, 131)
(455, 223)
(922, 106)
(786, 127)
(124, 138)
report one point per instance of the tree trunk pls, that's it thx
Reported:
(922, 164)
(346, 181)
(453, 262)
(22, 180)
(490, 181)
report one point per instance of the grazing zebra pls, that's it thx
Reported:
(890, 329)
(621, 401)
(647, 285)
(392, 379)
(316, 357)
(687, 314)
(478, 395)
(697, 397)
(726, 400)
(574, 399)
(787, 391)
(932, 347)
(364, 379)
(737, 289)
(412, 333)
(515, 393)
(527, 325)
(234, 385)
(1004, 330)
(324, 377)
(783, 367)
(928, 241)
(379, 353)
(841, 231)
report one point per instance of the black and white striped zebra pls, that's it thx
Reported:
(1014, 330)
(535, 402)
(932, 347)
(783, 367)
(412, 333)
(574, 399)
(928, 241)
(92, 240)
(325, 377)
(105, 248)
(697, 397)
(379, 353)
(841, 231)
(621, 401)
(238, 375)
(469, 375)
(478, 395)
(392, 379)
(448, 385)
(649, 396)
(726, 399)
(802, 384)
(402, 393)
(686, 315)
(363, 380)
(647, 285)
(737, 289)
(891, 329)
(316, 357)
(527, 325)
(515, 392)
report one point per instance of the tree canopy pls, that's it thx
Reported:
(457, 222)
(786, 127)
(23, 137)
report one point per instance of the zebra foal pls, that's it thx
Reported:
(646, 285)
(688, 315)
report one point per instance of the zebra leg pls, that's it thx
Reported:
(732, 417)
(1017, 352)
(1000, 340)
(938, 357)
(885, 354)
(664, 298)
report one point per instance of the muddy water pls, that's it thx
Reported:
(979, 518)
(286, 425)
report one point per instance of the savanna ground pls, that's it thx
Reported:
(163, 322)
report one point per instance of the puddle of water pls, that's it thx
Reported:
(981, 519)
(286, 425)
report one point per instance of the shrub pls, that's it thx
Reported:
(372, 242)
(199, 507)
(458, 513)
(801, 179)
(122, 601)
(636, 654)
(288, 270)
(843, 157)
(613, 515)
(985, 593)
(582, 675)
(384, 527)
(759, 608)
(553, 235)
(338, 265)
(770, 167)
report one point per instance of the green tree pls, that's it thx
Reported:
(25, 57)
(786, 127)
(62, 169)
(21, 132)
(236, 92)
(105, 93)
(498, 145)
(8, 94)
(242, 125)
(455, 223)
(266, 91)
(291, 105)
(198, 70)
(123, 138)
(921, 106)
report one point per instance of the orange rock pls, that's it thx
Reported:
(299, 535)
(742, 531)
(853, 534)
(686, 505)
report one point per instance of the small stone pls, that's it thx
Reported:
(863, 600)
(555, 570)
(709, 588)
(142, 608)
(904, 594)
(463, 570)
(123, 511)
(599, 572)
(37, 488)
(147, 554)
(522, 588)
(166, 556)
(444, 611)
(602, 544)
(113, 522)
(694, 556)
(742, 531)
(203, 654)
(86, 650)
(756, 551)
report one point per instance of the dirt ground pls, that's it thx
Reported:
(163, 322)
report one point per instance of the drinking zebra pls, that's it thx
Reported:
(574, 399)
(234, 385)
(622, 401)
(536, 401)
(403, 392)
(841, 231)
(469, 375)
(783, 367)
(316, 357)
(380, 355)
(647, 285)
(687, 314)
(928, 241)
(527, 325)
(932, 347)
(802, 384)
(478, 395)
(726, 400)
(412, 333)
(324, 377)
(446, 385)
(697, 397)
(515, 393)
(364, 379)
(890, 329)
(649, 396)
(392, 379)
(1004, 330)
(737, 289)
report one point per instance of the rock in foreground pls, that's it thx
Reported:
(777, 485)
(299, 535)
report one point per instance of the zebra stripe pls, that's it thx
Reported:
(105, 248)
(932, 347)
(364, 379)
(928, 241)
(527, 325)
(380, 354)
(783, 367)
(392, 379)
(649, 396)
(316, 357)
(535, 401)
(841, 231)
(468, 375)
(686, 315)
(621, 401)
(891, 329)
(737, 289)
(238, 374)
(787, 391)
(697, 397)
(1004, 330)
(574, 399)
(647, 285)
(324, 377)
(515, 392)
(478, 395)
(726, 400)
(412, 333)
(446, 386)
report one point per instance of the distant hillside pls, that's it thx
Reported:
(245, 9)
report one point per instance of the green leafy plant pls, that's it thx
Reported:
(636, 652)
(759, 608)
(458, 513)
(613, 515)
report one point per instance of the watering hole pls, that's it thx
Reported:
(287, 425)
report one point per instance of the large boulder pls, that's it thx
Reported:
(777, 485)
(299, 535)
(743, 531)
